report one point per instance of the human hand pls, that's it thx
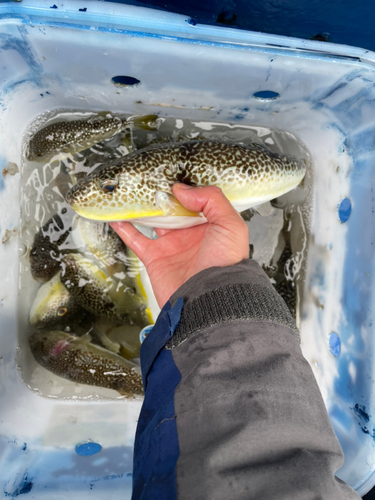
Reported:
(178, 254)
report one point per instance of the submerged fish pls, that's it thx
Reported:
(55, 307)
(102, 242)
(138, 187)
(97, 292)
(45, 254)
(78, 360)
(123, 340)
(127, 336)
(285, 286)
(281, 274)
(69, 137)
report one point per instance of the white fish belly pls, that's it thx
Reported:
(170, 221)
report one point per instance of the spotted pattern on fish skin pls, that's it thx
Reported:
(102, 241)
(75, 362)
(240, 171)
(49, 313)
(284, 286)
(287, 287)
(71, 137)
(45, 255)
(74, 317)
(86, 290)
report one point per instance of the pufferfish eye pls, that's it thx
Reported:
(62, 311)
(108, 185)
(38, 154)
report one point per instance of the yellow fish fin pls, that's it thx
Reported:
(128, 351)
(171, 206)
(149, 316)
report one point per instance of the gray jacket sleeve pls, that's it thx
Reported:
(249, 417)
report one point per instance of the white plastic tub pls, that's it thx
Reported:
(55, 56)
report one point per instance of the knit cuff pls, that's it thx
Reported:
(239, 301)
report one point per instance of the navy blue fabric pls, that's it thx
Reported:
(163, 330)
(156, 448)
(350, 22)
(174, 315)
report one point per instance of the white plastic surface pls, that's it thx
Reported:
(65, 57)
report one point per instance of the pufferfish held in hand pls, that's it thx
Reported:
(139, 186)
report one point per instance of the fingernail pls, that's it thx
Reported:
(183, 186)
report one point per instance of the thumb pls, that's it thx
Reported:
(208, 200)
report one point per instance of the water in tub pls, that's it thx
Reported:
(76, 276)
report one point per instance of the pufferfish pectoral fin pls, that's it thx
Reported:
(171, 206)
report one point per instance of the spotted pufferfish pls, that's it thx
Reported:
(78, 360)
(139, 186)
(69, 137)
(55, 307)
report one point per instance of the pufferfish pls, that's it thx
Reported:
(46, 252)
(138, 187)
(69, 137)
(55, 307)
(78, 360)
(97, 292)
